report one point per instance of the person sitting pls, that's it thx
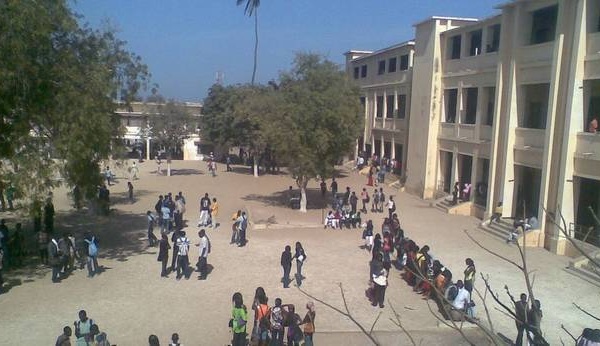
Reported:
(518, 228)
(355, 220)
(329, 220)
(337, 217)
(346, 220)
(497, 213)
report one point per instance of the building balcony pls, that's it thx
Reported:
(537, 53)
(448, 131)
(527, 139)
(588, 146)
(458, 132)
(390, 124)
(593, 44)
(471, 64)
(485, 133)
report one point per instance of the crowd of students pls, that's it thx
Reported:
(271, 324)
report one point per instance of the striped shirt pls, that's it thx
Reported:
(184, 246)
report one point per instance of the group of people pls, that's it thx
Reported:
(169, 215)
(461, 191)
(271, 324)
(87, 333)
(180, 262)
(345, 210)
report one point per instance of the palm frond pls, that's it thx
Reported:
(251, 6)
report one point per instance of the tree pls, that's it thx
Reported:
(321, 118)
(169, 125)
(251, 9)
(59, 81)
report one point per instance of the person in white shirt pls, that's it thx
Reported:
(462, 298)
(204, 249)
(183, 245)
(391, 206)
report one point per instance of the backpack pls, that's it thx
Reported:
(92, 247)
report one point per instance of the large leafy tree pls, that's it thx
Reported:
(321, 121)
(169, 124)
(251, 9)
(59, 81)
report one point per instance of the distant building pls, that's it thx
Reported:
(509, 104)
(138, 141)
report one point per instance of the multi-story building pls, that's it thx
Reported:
(138, 138)
(506, 104)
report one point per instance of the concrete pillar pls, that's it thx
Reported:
(382, 147)
(474, 171)
(147, 148)
(384, 112)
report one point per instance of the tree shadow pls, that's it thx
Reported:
(120, 236)
(186, 172)
(123, 197)
(281, 199)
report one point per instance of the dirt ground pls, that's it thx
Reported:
(130, 300)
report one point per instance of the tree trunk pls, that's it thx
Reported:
(255, 45)
(302, 182)
(169, 164)
(255, 166)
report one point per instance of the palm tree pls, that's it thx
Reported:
(250, 10)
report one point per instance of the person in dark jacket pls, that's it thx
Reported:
(286, 264)
(54, 256)
(163, 253)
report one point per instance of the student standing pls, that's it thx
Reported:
(130, 191)
(203, 256)
(277, 323)
(174, 238)
(65, 338)
(391, 207)
(204, 210)
(55, 259)
(364, 196)
(309, 324)
(183, 245)
(82, 328)
(151, 220)
(163, 253)
(379, 275)
(300, 257)
(214, 212)
(286, 264)
(469, 275)
(239, 320)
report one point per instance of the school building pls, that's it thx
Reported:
(508, 104)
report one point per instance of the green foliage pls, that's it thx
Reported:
(170, 124)
(322, 116)
(59, 81)
(311, 118)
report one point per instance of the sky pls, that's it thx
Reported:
(185, 43)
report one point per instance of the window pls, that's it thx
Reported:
(470, 116)
(389, 103)
(392, 65)
(363, 71)
(451, 102)
(381, 69)
(543, 24)
(493, 38)
(404, 62)
(491, 104)
(536, 106)
(454, 47)
(401, 106)
(475, 42)
(362, 101)
(379, 106)
(356, 72)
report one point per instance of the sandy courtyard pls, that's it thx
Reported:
(130, 300)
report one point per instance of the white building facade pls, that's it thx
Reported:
(505, 104)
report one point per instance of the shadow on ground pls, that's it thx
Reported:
(120, 235)
(117, 198)
(281, 199)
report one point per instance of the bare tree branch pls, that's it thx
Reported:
(492, 252)
(587, 313)
(374, 322)
(398, 322)
(346, 314)
(567, 331)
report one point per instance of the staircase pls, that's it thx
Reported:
(581, 267)
(445, 205)
(500, 230)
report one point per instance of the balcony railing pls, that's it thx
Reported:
(588, 145)
(526, 138)
(448, 130)
(593, 43)
(485, 133)
(536, 53)
(466, 131)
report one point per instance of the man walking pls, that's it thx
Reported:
(55, 259)
(92, 254)
(204, 210)
(521, 318)
(183, 245)
(204, 250)
(286, 264)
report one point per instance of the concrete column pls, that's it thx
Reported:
(382, 147)
(454, 175)
(384, 112)
(493, 194)
(393, 147)
(474, 170)
(479, 112)
(367, 129)
(147, 148)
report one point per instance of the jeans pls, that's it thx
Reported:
(299, 268)
(202, 266)
(520, 329)
(92, 265)
(308, 340)
(235, 235)
(182, 265)
(379, 295)
(203, 217)
(286, 277)
(239, 339)
(164, 225)
(55, 273)
(164, 261)
(151, 237)
(277, 337)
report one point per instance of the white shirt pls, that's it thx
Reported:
(461, 299)
(203, 246)
(184, 245)
(390, 204)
